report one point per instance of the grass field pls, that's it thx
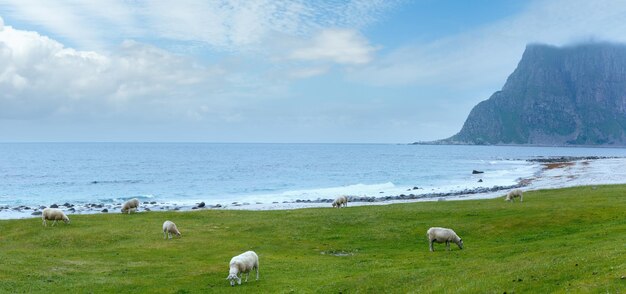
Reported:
(566, 240)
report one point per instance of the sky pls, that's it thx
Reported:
(300, 71)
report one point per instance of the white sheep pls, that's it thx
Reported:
(441, 235)
(514, 194)
(243, 263)
(130, 205)
(170, 228)
(341, 200)
(55, 215)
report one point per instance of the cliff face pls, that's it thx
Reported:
(556, 96)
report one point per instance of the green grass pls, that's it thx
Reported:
(566, 240)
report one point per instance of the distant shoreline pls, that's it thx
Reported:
(433, 143)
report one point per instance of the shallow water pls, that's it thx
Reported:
(44, 173)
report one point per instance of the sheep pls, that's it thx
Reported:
(130, 205)
(441, 235)
(243, 263)
(339, 201)
(514, 194)
(55, 215)
(170, 228)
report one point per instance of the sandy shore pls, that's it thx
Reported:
(556, 174)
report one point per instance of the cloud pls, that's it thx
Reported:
(1, 24)
(302, 73)
(60, 17)
(248, 25)
(342, 46)
(220, 25)
(40, 77)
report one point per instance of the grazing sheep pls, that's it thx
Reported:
(441, 235)
(130, 205)
(243, 263)
(514, 194)
(170, 228)
(341, 200)
(55, 215)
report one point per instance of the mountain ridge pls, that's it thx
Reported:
(557, 96)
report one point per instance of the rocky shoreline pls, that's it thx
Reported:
(561, 159)
(23, 211)
(93, 208)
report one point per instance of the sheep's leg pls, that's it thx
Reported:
(521, 199)
(431, 245)
(448, 245)
(247, 275)
(257, 272)
(54, 223)
(44, 223)
(164, 235)
(169, 234)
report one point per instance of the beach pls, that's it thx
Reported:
(554, 172)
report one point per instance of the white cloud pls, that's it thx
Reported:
(40, 77)
(1, 24)
(343, 46)
(221, 25)
(302, 73)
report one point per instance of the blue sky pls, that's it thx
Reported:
(269, 70)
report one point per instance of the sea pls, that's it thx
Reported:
(187, 173)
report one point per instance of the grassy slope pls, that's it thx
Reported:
(557, 240)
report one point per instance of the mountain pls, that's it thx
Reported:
(574, 95)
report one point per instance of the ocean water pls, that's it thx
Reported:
(186, 173)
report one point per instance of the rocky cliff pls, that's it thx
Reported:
(573, 95)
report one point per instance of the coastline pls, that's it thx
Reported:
(556, 172)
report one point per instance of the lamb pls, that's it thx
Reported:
(170, 228)
(130, 205)
(441, 235)
(55, 215)
(339, 201)
(514, 194)
(243, 263)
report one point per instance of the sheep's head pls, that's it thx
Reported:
(66, 220)
(179, 234)
(460, 243)
(232, 278)
(335, 204)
